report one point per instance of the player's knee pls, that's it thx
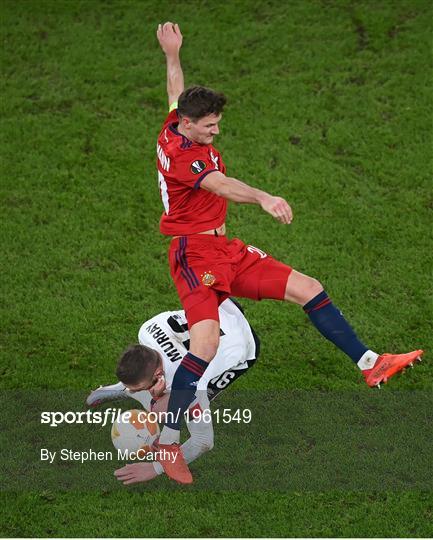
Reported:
(300, 288)
(303, 290)
(205, 336)
(206, 348)
(312, 289)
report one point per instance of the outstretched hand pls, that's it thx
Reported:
(169, 37)
(133, 473)
(278, 208)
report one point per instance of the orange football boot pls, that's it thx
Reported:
(387, 365)
(173, 463)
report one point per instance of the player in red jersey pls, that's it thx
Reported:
(188, 209)
(206, 266)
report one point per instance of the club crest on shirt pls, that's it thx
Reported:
(198, 166)
(208, 279)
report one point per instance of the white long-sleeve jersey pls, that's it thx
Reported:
(238, 349)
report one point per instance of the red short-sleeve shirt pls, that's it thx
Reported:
(182, 165)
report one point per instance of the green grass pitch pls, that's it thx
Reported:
(329, 106)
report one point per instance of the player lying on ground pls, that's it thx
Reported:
(206, 266)
(147, 372)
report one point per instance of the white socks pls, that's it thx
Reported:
(169, 436)
(367, 360)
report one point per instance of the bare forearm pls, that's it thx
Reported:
(175, 82)
(237, 191)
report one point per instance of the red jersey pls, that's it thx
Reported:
(182, 165)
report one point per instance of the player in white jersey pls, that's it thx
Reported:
(167, 334)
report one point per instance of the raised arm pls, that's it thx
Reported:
(237, 191)
(170, 39)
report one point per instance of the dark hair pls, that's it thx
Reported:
(137, 364)
(198, 101)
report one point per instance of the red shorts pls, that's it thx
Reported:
(208, 269)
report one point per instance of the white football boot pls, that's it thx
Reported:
(112, 392)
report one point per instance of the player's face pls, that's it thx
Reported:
(203, 131)
(156, 384)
